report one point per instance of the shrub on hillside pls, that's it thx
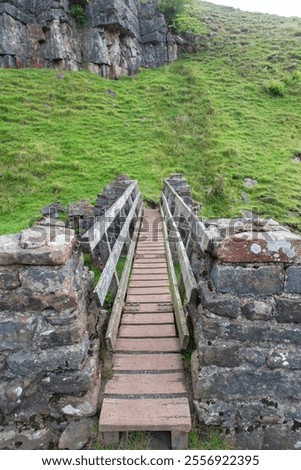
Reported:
(275, 88)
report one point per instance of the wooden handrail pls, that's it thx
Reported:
(93, 236)
(118, 305)
(105, 280)
(186, 270)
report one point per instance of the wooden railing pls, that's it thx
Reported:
(126, 238)
(177, 214)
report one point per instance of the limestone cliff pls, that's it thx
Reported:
(120, 36)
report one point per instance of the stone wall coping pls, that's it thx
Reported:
(39, 245)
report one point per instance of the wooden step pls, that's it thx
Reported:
(151, 298)
(147, 331)
(149, 283)
(119, 414)
(148, 271)
(154, 362)
(148, 345)
(144, 276)
(147, 318)
(151, 261)
(146, 384)
(155, 307)
(146, 290)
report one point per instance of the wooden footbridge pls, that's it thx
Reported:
(147, 329)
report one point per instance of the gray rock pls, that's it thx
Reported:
(53, 210)
(83, 407)
(31, 364)
(9, 279)
(221, 355)
(257, 310)
(44, 34)
(16, 332)
(293, 280)
(262, 280)
(280, 437)
(76, 434)
(288, 310)
(221, 305)
(12, 438)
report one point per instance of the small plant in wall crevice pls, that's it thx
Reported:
(78, 10)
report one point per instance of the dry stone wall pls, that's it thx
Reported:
(246, 367)
(49, 350)
(120, 36)
(247, 363)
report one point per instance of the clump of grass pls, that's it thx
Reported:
(212, 440)
(275, 88)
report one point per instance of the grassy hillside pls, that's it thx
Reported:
(229, 112)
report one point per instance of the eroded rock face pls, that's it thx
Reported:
(120, 36)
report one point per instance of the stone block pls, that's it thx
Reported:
(261, 281)
(84, 406)
(293, 280)
(257, 310)
(284, 358)
(31, 365)
(16, 331)
(74, 382)
(288, 310)
(241, 384)
(76, 435)
(260, 247)
(9, 279)
(250, 332)
(48, 336)
(223, 305)
(221, 355)
(37, 246)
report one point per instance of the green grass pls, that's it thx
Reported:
(229, 112)
(211, 441)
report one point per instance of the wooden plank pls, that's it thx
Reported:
(97, 231)
(151, 298)
(149, 362)
(151, 266)
(147, 318)
(138, 270)
(150, 254)
(106, 276)
(177, 303)
(150, 283)
(146, 384)
(145, 276)
(145, 415)
(155, 307)
(148, 345)
(118, 305)
(155, 261)
(147, 331)
(146, 290)
(186, 270)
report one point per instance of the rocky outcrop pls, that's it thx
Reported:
(119, 36)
